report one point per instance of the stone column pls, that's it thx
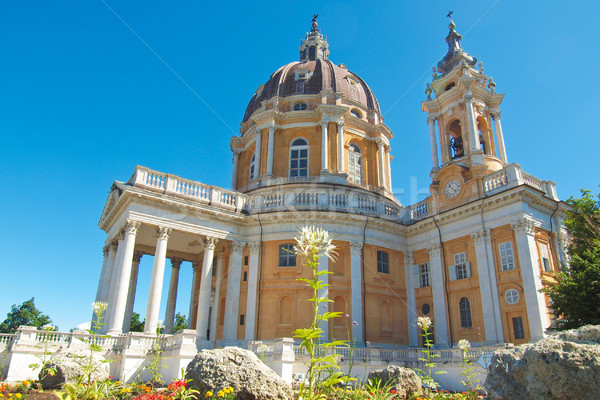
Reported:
(413, 332)
(488, 288)
(389, 167)
(114, 283)
(356, 286)
(340, 132)
(444, 145)
(434, 153)
(110, 267)
(236, 157)
(103, 273)
(156, 281)
(324, 294)
(251, 299)
(439, 296)
(324, 147)
(258, 151)
(214, 317)
(137, 256)
(204, 294)
(270, 150)
(123, 272)
(380, 145)
(473, 136)
(172, 296)
(499, 136)
(193, 297)
(531, 275)
(233, 293)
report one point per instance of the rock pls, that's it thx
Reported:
(404, 380)
(565, 365)
(251, 379)
(70, 366)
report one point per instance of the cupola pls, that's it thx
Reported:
(314, 46)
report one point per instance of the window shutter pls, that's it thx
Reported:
(416, 277)
(468, 267)
(452, 270)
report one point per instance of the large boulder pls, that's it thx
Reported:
(69, 367)
(250, 378)
(404, 380)
(565, 365)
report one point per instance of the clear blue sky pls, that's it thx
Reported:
(83, 101)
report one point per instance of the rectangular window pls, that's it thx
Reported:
(507, 258)
(518, 328)
(245, 276)
(245, 260)
(383, 262)
(287, 257)
(424, 275)
(242, 316)
(545, 256)
(460, 262)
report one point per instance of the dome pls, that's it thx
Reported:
(312, 77)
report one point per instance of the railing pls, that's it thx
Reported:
(512, 176)
(419, 210)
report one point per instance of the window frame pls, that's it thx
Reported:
(383, 262)
(252, 168)
(518, 329)
(507, 256)
(299, 158)
(286, 250)
(464, 307)
(299, 106)
(355, 164)
(544, 253)
(424, 279)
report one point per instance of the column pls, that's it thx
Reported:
(324, 294)
(413, 332)
(356, 287)
(193, 297)
(439, 296)
(389, 167)
(380, 145)
(444, 145)
(236, 157)
(488, 288)
(258, 148)
(214, 318)
(137, 256)
(433, 142)
(172, 296)
(531, 275)
(250, 319)
(103, 272)
(123, 272)
(324, 147)
(270, 150)
(204, 294)
(156, 281)
(233, 292)
(499, 136)
(473, 136)
(114, 283)
(112, 253)
(340, 132)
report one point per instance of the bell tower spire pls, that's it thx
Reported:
(314, 46)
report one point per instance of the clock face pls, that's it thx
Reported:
(452, 189)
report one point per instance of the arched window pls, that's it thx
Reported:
(252, 173)
(456, 148)
(465, 313)
(299, 158)
(354, 164)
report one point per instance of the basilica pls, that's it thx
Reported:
(313, 150)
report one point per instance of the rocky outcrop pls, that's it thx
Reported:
(250, 378)
(69, 367)
(565, 365)
(404, 380)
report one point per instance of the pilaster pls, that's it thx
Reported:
(356, 282)
(232, 305)
(251, 298)
(439, 296)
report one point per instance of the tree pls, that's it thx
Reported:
(136, 324)
(575, 298)
(25, 314)
(181, 322)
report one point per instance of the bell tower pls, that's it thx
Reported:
(462, 100)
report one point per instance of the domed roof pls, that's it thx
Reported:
(313, 74)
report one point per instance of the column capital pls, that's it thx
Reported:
(137, 256)
(210, 242)
(409, 258)
(162, 232)
(355, 248)
(220, 251)
(106, 249)
(131, 226)
(480, 237)
(236, 152)
(176, 262)
(340, 123)
(431, 119)
(195, 265)
(434, 250)
(236, 246)
(468, 97)
(324, 123)
(496, 114)
(254, 247)
(524, 226)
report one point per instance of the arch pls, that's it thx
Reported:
(299, 158)
(385, 317)
(455, 140)
(485, 138)
(339, 305)
(449, 86)
(252, 170)
(356, 112)
(355, 162)
(286, 310)
(465, 313)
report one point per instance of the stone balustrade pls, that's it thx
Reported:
(512, 176)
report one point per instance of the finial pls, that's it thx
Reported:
(481, 69)
(492, 85)
(452, 24)
(315, 27)
(428, 91)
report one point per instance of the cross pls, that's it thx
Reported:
(450, 14)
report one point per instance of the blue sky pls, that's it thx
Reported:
(83, 100)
